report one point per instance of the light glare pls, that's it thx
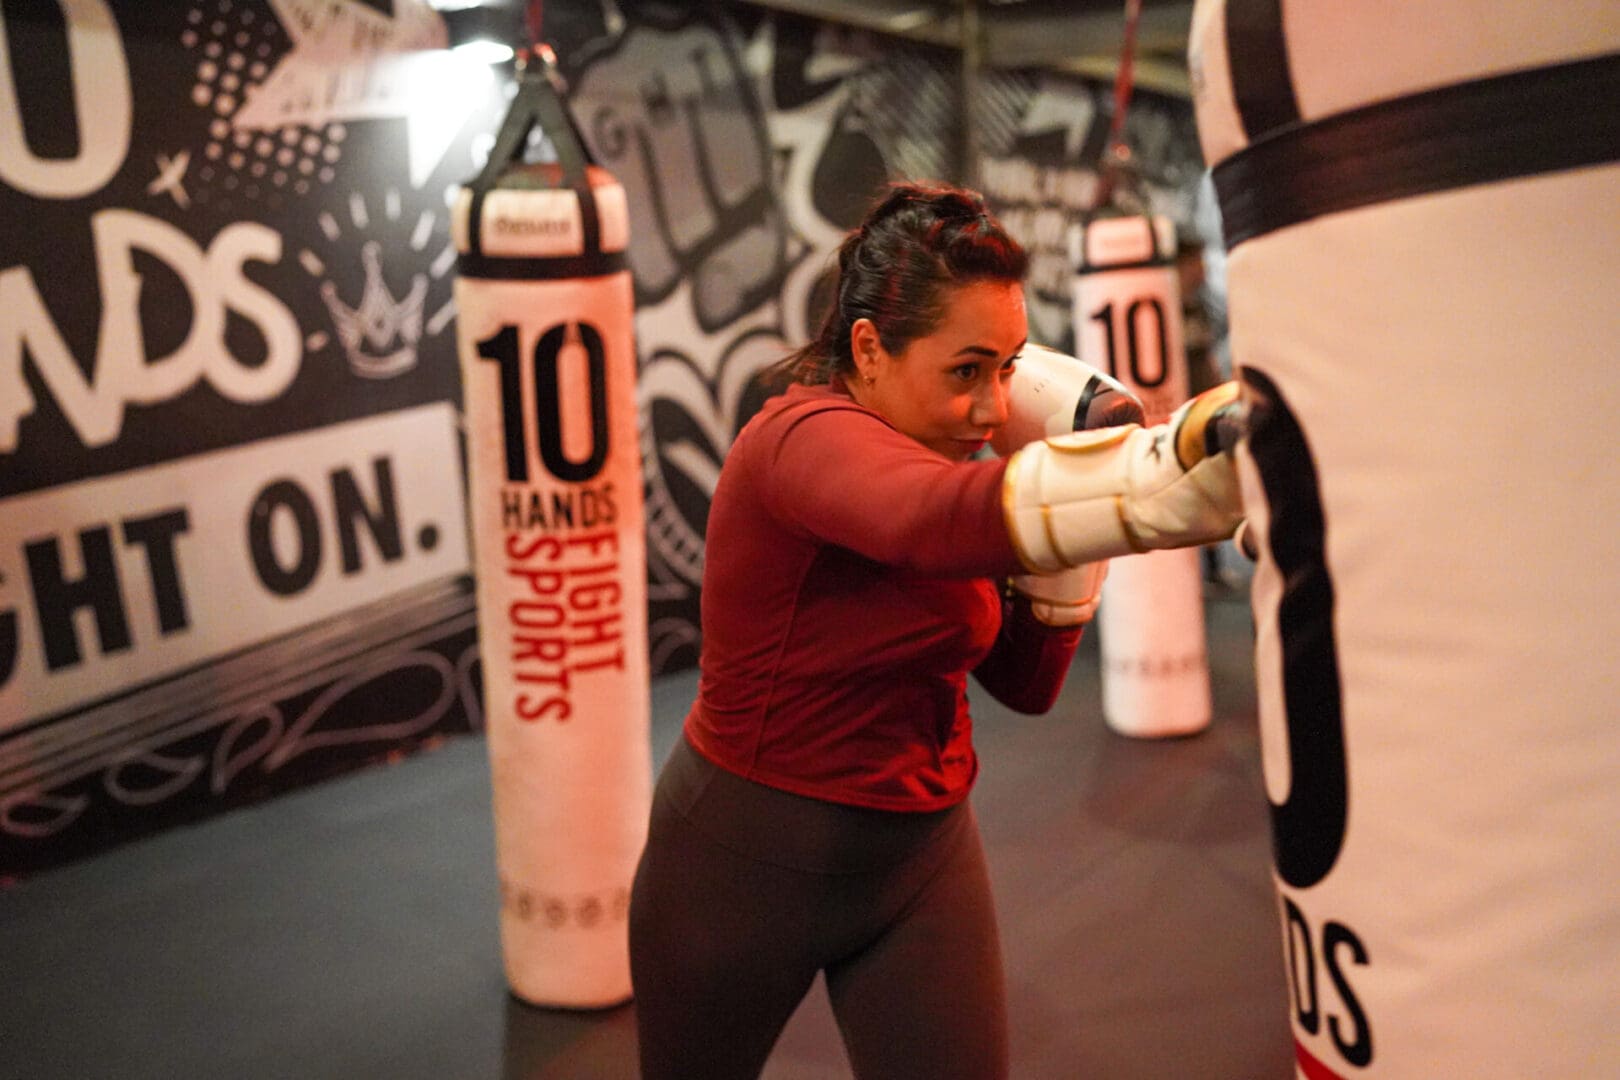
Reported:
(484, 51)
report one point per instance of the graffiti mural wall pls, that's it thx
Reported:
(232, 532)
(233, 552)
(1042, 137)
(748, 144)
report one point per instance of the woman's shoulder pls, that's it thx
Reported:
(799, 399)
(786, 411)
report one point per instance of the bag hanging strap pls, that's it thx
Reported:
(540, 100)
(1116, 162)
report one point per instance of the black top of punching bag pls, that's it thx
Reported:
(540, 100)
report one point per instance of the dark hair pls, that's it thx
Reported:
(916, 243)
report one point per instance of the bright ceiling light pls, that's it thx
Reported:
(484, 51)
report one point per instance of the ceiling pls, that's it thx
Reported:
(1082, 37)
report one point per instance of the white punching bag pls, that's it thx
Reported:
(1421, 205)
(548, 362)
(1127, 321)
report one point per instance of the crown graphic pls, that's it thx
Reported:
(381, 334)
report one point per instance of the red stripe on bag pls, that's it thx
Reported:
(1311, 1067)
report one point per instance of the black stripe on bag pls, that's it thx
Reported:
(1139, 264)
(1500, 128)
(1257, 54)
(500, 268)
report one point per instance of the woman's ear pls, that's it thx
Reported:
(866, 348)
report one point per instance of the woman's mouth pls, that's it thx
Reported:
(969, 447)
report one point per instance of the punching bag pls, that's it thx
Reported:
(1421, 207)
(548, 364)
(1127, 321)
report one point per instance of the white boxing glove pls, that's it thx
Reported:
(1053, 394)
(1064, 598)
(1074, 499)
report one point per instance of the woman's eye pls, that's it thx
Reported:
(966, 372)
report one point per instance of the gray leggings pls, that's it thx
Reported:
(745, 892)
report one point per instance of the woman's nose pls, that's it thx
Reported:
(990, 404)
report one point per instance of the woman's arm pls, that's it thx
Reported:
(1029, 661)
(843, 476)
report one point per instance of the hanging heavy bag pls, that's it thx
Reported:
(1127, 321)
(548, 363)
(1423, 242)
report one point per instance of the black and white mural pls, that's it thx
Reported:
(233, 553)
(232, 541)
(1042, 137)
(748, 143)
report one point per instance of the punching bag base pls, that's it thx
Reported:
(1160, 734)
(588, 1007)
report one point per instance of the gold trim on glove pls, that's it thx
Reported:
(1190, 435)
(1125, 524)
(1009, 495)
(1051, 537)
(1089, 442)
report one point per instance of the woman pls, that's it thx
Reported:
(814, 817)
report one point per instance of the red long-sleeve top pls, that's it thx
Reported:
(850, 586)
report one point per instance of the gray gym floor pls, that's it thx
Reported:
(348, 930)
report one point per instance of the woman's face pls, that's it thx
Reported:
(948, 389)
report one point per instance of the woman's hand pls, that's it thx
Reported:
(1074, 499)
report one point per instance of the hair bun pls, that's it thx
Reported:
(919, 241)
